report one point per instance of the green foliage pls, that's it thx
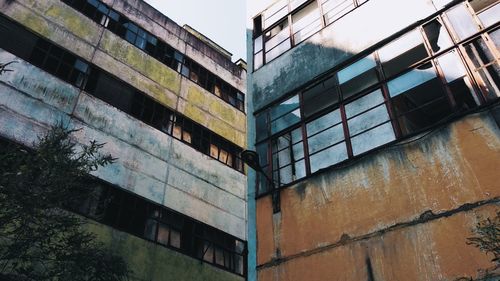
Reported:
(39, 240)
(487, 237)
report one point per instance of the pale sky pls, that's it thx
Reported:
(223, 21)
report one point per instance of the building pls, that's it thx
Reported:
(378, 122)
(169, 104)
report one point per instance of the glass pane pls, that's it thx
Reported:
(368, 120)
(495, 36)
(292, 172)
(437, 35)
(452, 66)
(490, 16)
(328, 157)
(258, 60)
(320, 96)
(175, 238)
(285, 121)
(277, 35)
(275, 12)
(261, 125)
(278, 50)
(285, 107)
(334, 9)
(325, 121)
(400, 54)
(372, 139)
(295, 3)
(441, 3)
(163, 233)
(288, 154)
(257, 44)
(326, 138)
(411, 79)
(306, 22)
(362, 104)
(462, 21)
(358, 76)
(262, 152)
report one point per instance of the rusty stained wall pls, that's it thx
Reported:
(406, 208)
(150, 163)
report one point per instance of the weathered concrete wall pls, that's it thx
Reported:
(72, 30)
(408, 208)
(152, 262)
(333, 45)
(149, 161)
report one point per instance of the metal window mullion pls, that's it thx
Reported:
(346, 131)
(304, 134)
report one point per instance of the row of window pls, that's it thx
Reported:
(133, 214)
(153, 46)
(282, 25)
(404, 87)
(119, 94)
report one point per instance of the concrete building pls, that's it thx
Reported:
(378, 123)
(169, 104)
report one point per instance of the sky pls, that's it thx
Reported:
(223, 21)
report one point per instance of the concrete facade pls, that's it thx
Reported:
(150, 163)
(400, 212)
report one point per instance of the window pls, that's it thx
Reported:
(139, 37)
(306, 22)
(418, 98)
(288, 157)
(410, 84)
(488, 11)
(358, 76)
(320, 96)
(277, 40)
(289, 22)
(326, 141)
(437, 35)
(285, 115)
(335, 9)
(134, 214)
(368, 122)
(485, 65)
(275, 12)
(402, 53)
(458, 81)
(462, 22)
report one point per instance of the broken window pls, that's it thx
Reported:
(458, 81)
(437, 35)
(402, 53)
(418, 99)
